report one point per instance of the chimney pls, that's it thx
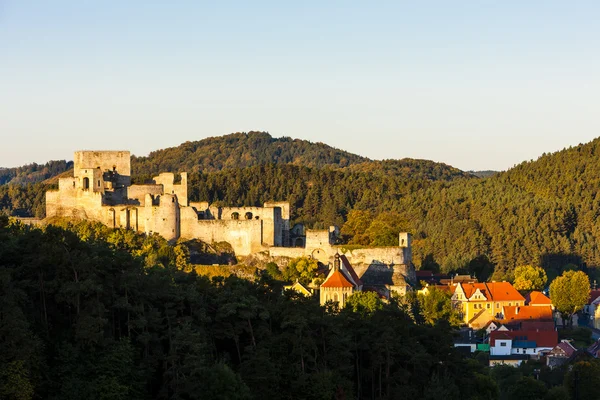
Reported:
(336, 262)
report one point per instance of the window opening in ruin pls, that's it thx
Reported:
(173, 200)
(248, 215)
(73, 183)
(235, 216)
(86, 183)
(98, 182)
(257, 217)
(114, 168)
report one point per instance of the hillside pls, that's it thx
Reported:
(33, 173)
(240, 150)
(541, 212)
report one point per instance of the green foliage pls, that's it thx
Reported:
(89, 312)
(364, 302)
(436, 306)
(528, 277)
(527, 388)
(273, 270)
(581, 336)
(557, 393)
(570, 292)
(33, 173)
(583, 379)
(302, 269)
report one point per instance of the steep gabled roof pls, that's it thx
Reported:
(594, 294)
(350, 270)
(526, 313)
(536, 298)
(493, 291)
(567, 347)
(336, 280)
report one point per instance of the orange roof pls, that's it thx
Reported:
(337, 279)
(493, 291)
(538, 299)
(525, 313)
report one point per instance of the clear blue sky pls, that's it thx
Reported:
(478, 84)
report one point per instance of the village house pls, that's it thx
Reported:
(481, 303)
(560, 354)
(514, 347)
(592, 308)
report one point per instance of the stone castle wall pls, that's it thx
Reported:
(100, 190)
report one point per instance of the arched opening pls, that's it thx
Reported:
(336, 297)
(86, 183)
(299, 242)
(248, 215)
(327, 297)
(235, 215)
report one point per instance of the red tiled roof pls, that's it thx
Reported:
(353, 274)
(538, 298)
(541, 338)
(525, 313)
(594, 294)
(493, 291)
(537, 326)
(336, 280)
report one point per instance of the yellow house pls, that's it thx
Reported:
(300, 288)
(481, 303)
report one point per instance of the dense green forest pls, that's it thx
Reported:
(240, 150)
(95, 313)
(540, 212)
(33, 173)
(89, 312)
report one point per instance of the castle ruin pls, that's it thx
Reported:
(101, 190)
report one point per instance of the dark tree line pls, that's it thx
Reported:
(88, 312)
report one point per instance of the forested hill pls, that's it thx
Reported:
(33, 173)
(540, 212)
(239, 150)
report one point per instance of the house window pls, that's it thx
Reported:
(503, 344)
(488, 305)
